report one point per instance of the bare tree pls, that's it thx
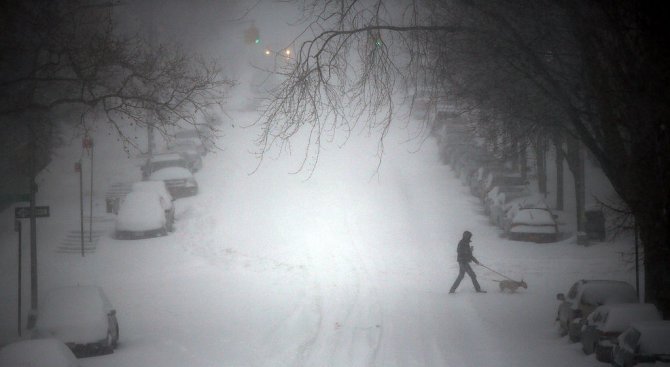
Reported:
(67, 58)
(599, 69)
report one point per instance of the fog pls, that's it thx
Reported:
(337, 248)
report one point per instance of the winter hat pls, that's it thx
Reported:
(467, 235)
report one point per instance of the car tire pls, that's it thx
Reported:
(589, 350)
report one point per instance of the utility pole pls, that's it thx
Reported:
(87, 144)
(78, 168)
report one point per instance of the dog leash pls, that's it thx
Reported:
(504, 276)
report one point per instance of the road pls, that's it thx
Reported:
(347, 268)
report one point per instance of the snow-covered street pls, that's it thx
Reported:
(351, 267)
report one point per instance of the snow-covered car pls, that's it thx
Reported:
(511, 207)
(481, 175)
(585, 295)
(48, 352)
(607, 322)
(163, 160)
(142, 215)
(533, 225)
(498, 197)
(498, 178)
(166, 199)
(81, 317)
(179, 181)
(643, 342)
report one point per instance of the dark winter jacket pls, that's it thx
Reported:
(465, 252)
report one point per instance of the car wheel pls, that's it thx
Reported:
(589, 348)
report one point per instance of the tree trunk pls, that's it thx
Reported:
(515, 156)
(575, 159)
(523, 161)
(541, 166)
(559, 157)
(654, 235)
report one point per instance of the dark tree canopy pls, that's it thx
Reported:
(597, 72)
(68, 60)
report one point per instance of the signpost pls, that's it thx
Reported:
(17, 228)
(29, 212)
(23, 212)
(77, 167)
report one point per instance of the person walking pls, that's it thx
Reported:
(464, 258)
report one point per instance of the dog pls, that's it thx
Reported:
(512, 285)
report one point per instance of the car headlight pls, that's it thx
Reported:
(190, 182)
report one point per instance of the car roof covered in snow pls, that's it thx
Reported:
(141, 211)
(607, 292)
(534, 217)
(161, 157)
(47, 352)
(74, 314)
(618, 317)
(156, 186)
(654, 336)
(169, 173)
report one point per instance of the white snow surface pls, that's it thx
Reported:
(351, 267)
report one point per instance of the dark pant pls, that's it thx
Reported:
(464, 267)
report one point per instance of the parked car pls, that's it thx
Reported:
(81, 317)
(585, 295)
(643, 342)
(500, 179)
(498, 196)
(142, 215)
(607, 322)
(48, 352)
(511, 207)
(533, 225)
(191, 155)
(188, 143)
(200, 139)
(575, 329)
(166, 199)
(179, 181)
(481, 176)
(163, 160)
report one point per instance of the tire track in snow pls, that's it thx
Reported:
(345, 327)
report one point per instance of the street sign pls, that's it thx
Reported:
(24, 212)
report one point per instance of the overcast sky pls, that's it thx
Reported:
(215, 27)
